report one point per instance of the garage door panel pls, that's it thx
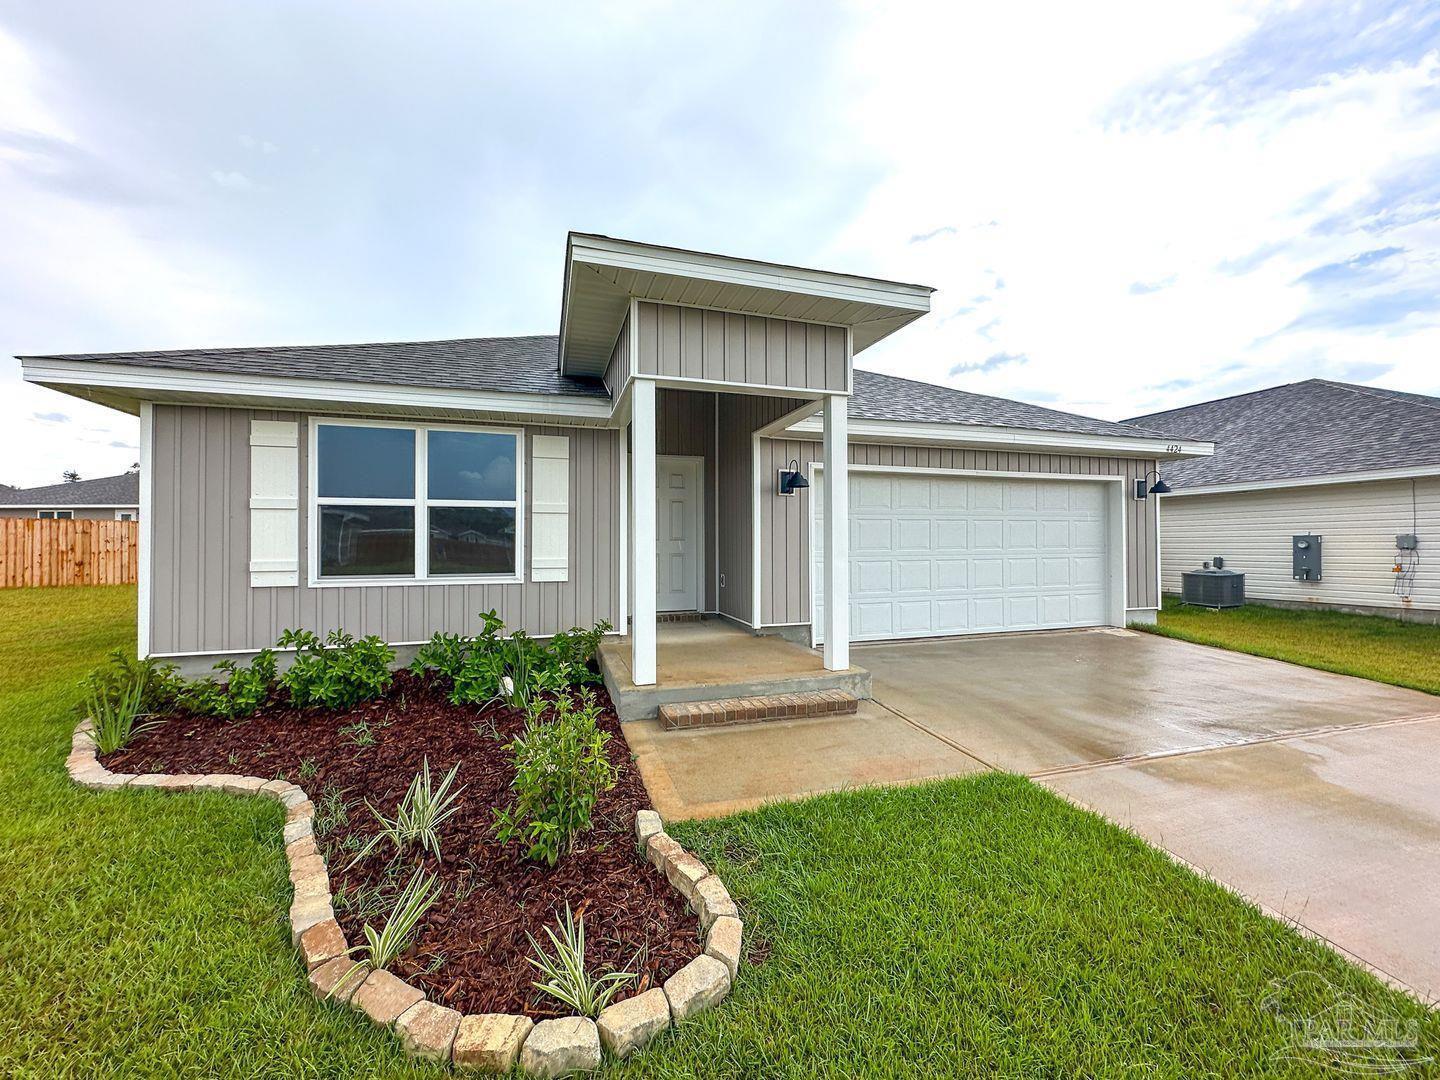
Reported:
(871, 577)
(1054, 534)
(1020, 495)
(952, 535)
(914, 618)
(988, 534)
(935, 555)
(871, 534)
(1022, 573)
(1088, 570)
(912, 534)
(952, 574)
(915, 575)
(987, 574)
(989, 613)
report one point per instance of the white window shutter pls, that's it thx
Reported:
(274, 503)
(550, 508)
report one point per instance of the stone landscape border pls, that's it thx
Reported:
(492, 1042)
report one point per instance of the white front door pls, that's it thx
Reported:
(678, 545)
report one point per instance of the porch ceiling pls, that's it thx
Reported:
(602, 275)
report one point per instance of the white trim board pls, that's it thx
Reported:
(84, 373)
(1374, 476)
(145, 541)
(1025, 440)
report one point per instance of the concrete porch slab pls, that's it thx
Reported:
(709, 772)
(711, 660)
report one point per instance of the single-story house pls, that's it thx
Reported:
(649, 459)
(106, 498)
(1352, 472)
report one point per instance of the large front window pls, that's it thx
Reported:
(415, 503)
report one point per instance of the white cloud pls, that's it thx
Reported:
(232, 181)
(985, 118)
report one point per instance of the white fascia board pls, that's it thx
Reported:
(1308, 481)
(85, 373)
(69, 506)
(1001, 438)
(652, 259)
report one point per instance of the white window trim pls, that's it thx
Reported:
(55, 515)
(420, 502)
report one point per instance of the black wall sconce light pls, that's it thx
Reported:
(1157, 488)
(791, 479)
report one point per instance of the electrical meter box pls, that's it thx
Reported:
(1407, 541)
(1305, 557)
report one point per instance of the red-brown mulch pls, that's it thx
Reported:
(470, 951)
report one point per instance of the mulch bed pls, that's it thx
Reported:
(470, 951)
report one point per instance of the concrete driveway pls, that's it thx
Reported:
(1315, 795)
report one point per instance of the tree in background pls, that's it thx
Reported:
(70, 476)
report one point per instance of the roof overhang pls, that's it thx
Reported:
(1031, 440)
(124, 387)
(1285, 483)
(602, 276)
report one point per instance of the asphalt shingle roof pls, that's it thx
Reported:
(889, 397)
(528, 364)
(517, 364)
(122, 490)
(1303, 429)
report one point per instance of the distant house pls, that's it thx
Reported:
(106, 498)
(1356, 466)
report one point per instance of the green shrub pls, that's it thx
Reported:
(491, 666)
(241, 694)
(117, 720)
(560, 771)
(159, 685)
(339, 672)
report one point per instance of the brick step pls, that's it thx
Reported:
(757, 710)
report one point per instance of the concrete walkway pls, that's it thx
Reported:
(1313, 794)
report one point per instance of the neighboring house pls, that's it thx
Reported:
(106, 498)
(628, 467)
(1357, 466)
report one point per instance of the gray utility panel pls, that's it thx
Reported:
(1305, 557)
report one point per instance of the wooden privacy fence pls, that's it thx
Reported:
(67, 552)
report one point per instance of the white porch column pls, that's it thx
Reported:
(837, 534)
(642, 543)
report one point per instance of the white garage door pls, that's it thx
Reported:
(934, 555)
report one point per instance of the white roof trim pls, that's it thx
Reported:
(653, 259)
(70, 506)
(1308, 481)
(1008, 438)
(86, 373)
(880, 305)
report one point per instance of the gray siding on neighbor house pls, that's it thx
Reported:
(1357, 524)
(785, 523)
(718, 346)
(617, 372)
(201, 599)
(685, 427)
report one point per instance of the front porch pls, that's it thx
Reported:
(713, 659)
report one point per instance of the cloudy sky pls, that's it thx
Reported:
(1125, 207)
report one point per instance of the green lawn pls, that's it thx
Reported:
(973, 927)
(1370, 646)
